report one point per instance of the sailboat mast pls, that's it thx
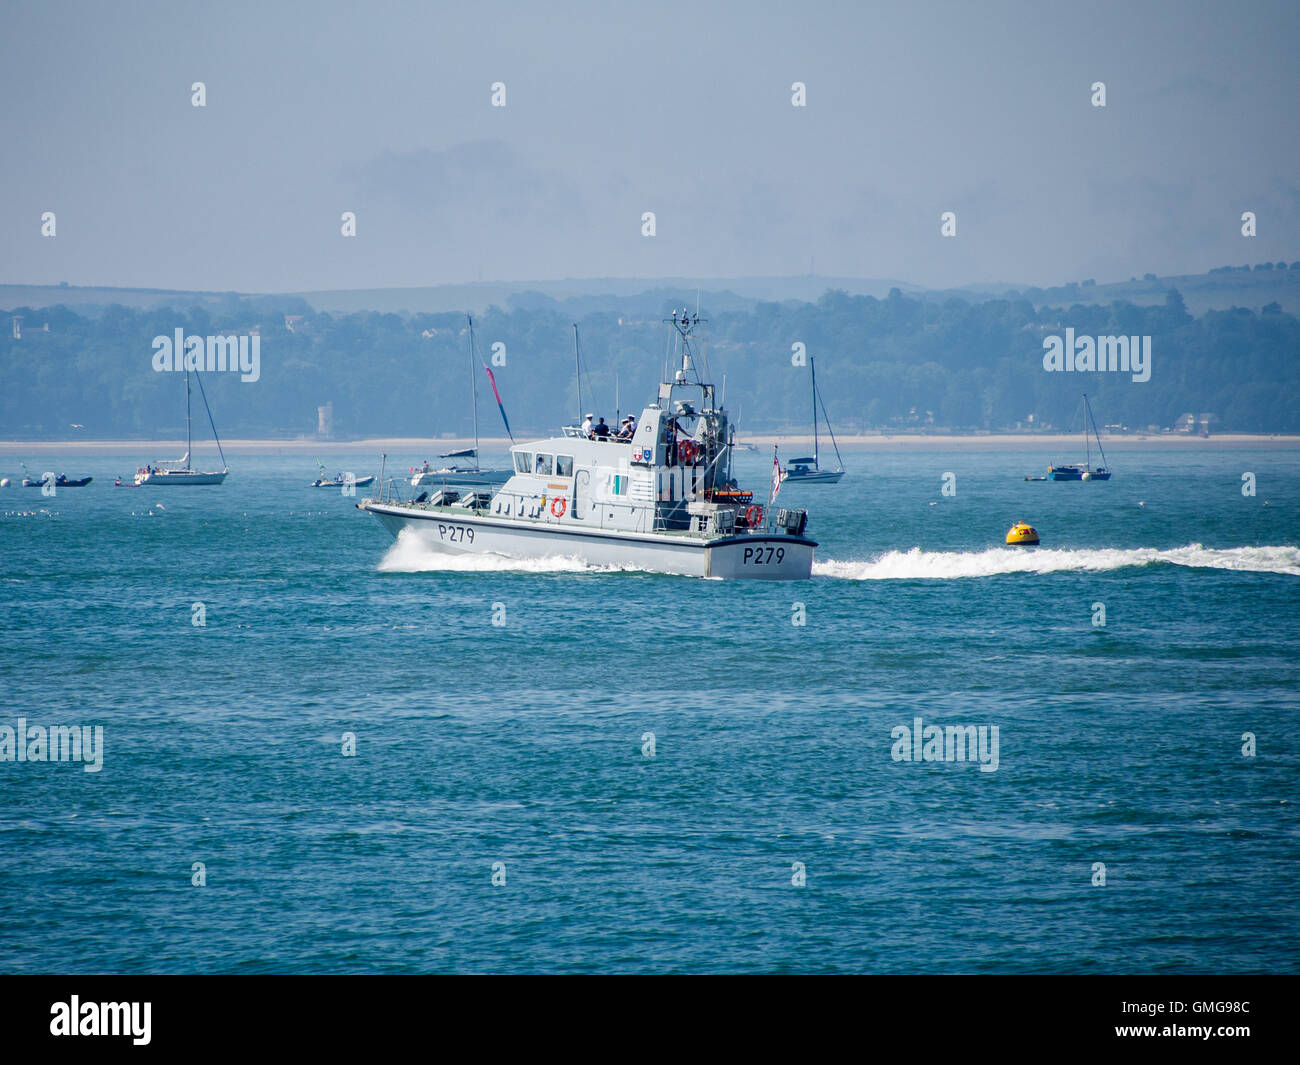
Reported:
(812, 363)
(1087, 443)
(473, 386)
(577, 370)
(1095, 432)
(187, 417)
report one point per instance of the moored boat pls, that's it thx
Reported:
(61, 481)
(1082, 471)
(467, 474)
(807, 470)
(340, 480)
(181, 472)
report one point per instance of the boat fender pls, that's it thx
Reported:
(558, 502)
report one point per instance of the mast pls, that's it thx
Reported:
(204, 393)
(577, 370)
(812, 363)
(1087, 443)
(1088, 407)
(473, 386)
(839, 459)
(187, 416)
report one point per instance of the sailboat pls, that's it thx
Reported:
(807, 470)
(466, 475)
(180, 471)
(1085, 472)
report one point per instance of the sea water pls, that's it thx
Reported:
(323, 751)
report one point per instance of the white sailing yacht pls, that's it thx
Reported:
(180, 471)
(464, 475)
(807, 470)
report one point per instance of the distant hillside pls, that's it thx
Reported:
(1220, 289)
(607, 293)
(898, 363)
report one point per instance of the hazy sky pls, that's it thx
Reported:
(613, 109)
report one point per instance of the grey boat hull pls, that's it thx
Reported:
(756, 556)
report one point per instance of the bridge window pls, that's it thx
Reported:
(564, 465)
(523, 462)
(544, 465)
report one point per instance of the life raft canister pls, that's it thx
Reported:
(558, 501)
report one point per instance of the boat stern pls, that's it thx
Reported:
(761, 557)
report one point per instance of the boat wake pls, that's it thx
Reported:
(948, 565)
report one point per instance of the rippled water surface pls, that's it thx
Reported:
(526, 743)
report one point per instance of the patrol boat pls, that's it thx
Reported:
(661, 500)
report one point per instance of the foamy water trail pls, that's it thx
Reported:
(410, 555)
(948, 565)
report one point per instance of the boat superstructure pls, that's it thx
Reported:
(660, 498)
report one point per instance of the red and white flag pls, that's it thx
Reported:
(776, 475)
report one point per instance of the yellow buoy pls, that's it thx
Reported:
(1022, 533)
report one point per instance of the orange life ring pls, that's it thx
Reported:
(686, 451)
(754, 516)
(558, 501)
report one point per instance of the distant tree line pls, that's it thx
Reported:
(1257, 266)
(893, 363)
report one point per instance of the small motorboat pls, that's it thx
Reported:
(342, 482)
(59, 482)
(1022, 533)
